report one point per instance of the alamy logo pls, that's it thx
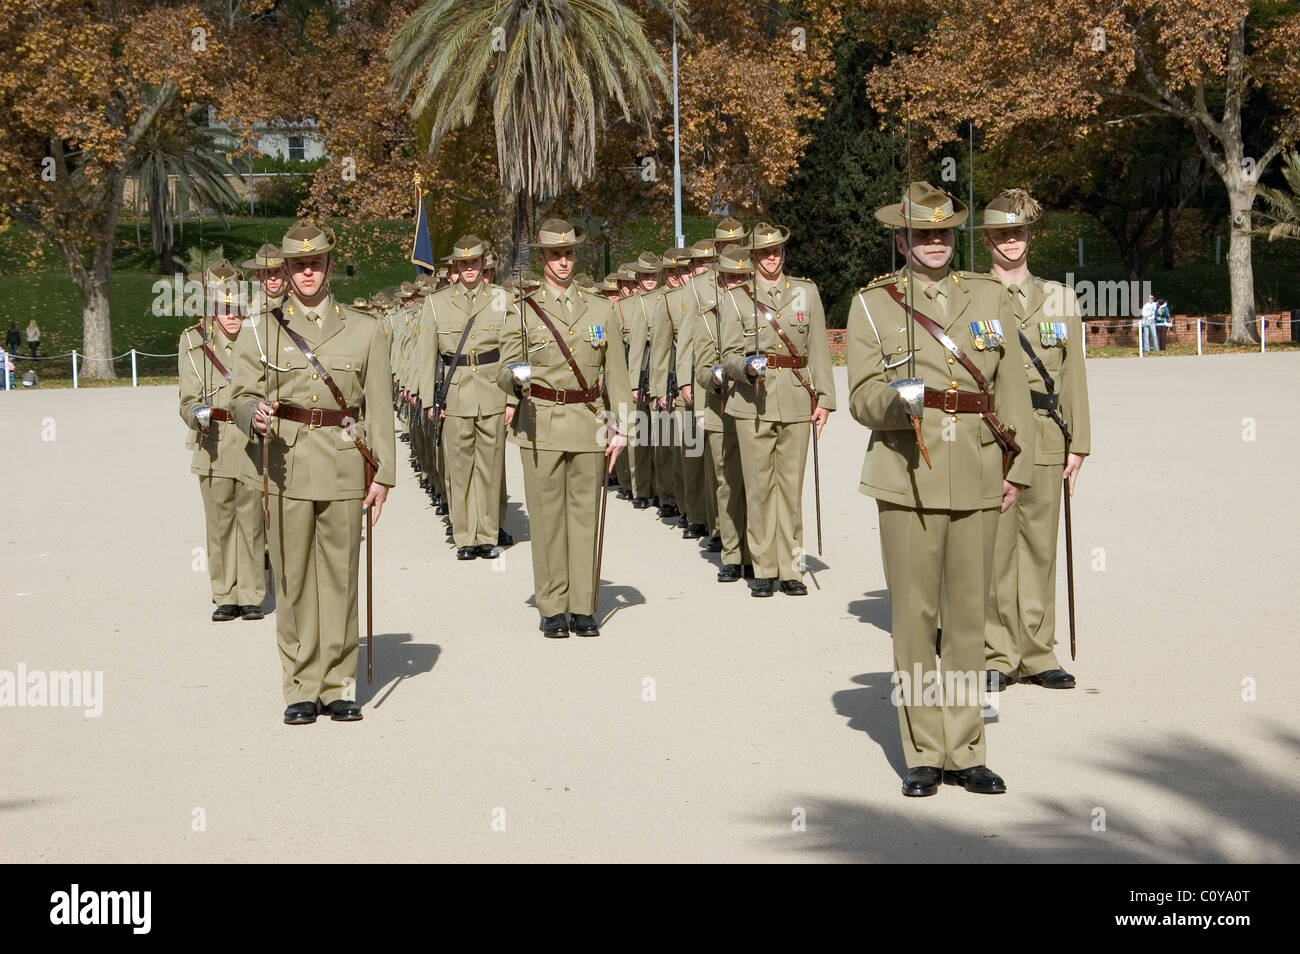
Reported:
(103, 907)
(56, 689)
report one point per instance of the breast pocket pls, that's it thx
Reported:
(347, 372)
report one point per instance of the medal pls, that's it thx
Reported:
(979, 343)
(596, 335)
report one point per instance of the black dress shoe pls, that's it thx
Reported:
(341, 710)
(486, 551)
(251, 612)
(693, 531)
(1051, 679)
(669, 510)
(504, 539)
(226, 612)
(640, 503)
(300, 713)
(997, 681)
(793, 588)
(467, 553)
(715, 545)
(729, 573)
(682, 523)
(555, 627)
(624, 494)
(763, 587)
(583, 625)
(748, 571)
(654, 502)
(441, 509)
(921, 781)
(977, 779)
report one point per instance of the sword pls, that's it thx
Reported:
(370, 582)
(817, 487)
(1069, 550)
(600, 534)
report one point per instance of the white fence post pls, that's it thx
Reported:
(1263, 331)
(74, 368)
(133, 378)
(1198, 336)
(4, 366)
(1139, 330)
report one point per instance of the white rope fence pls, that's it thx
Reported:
(134, 353)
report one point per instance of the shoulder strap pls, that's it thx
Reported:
(446, 378)
(939, 335)
(1038, 364)
(310, 355)
(564, 349)
(208, 351)
(794, 352)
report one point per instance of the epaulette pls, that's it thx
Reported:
(879, 281)
(961, 276)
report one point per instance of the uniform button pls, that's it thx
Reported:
(900, 349)
(952, 360)
(1026, 367)
(954, 418)
(954, 384)
(348, 367)
(313, 377)
(313, 397)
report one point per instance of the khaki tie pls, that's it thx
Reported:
(1019, 299)
(315, 319)
(939, 297)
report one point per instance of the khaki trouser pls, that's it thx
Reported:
(315, 546)
(934, 558)
(708, 481)
(562, 491)
(1020, 632)
(724, 449)
(236, 539)
(665, 456)
(474, 449)
(773, 457)
(691, 458)
(640, 453)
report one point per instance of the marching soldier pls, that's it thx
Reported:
(940, 394)
(461, 327)
(318, 390)
(704, 353)
(647, 269)
(625, 285)
(266, 269)
(235, 537)
(1020, 632)
(774, 348)
(558, 357)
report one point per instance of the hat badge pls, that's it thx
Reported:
(1011, 217)
(307, 246)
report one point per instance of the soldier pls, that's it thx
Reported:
(235, 535)
(554, 354)
(775, 350)
(732, 270)
(1020, 632)
(267, 270)
(461, 328)
(625, 284)
(319, 393)
(938, 478)
(648, 268)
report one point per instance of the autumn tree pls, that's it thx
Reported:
(81, 85)
(1054, 66)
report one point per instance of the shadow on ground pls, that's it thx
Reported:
(396, 659)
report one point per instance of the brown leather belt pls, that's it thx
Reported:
(564, 396)
(953, 401)
(316, 417)
(483, 357)
(786, 361)
(221, 414)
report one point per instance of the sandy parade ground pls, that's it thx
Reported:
(702, 725)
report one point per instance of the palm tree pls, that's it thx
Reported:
(178, 144)
(1281, 211)
(552, 69)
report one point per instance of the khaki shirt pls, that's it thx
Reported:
(221, 451)
(967, 461)
(319, 463)
(472, 390)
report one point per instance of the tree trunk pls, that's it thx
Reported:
(160, 224)
(97, 331)
(1241, 276)
(519, 236)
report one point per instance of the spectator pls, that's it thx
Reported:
(1147, 326)
(33, 336)
(12, 341)
(1164, 321)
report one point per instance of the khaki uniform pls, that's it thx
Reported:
(561, 445)
(645, 436)
(232, 509)
(623, 312)
(317, 484)
(704, 350)
(772, 416)
(473, 431)
(937, 524)
(1020, 632)
(667, 345)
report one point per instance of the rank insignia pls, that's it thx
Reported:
(990, 332)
